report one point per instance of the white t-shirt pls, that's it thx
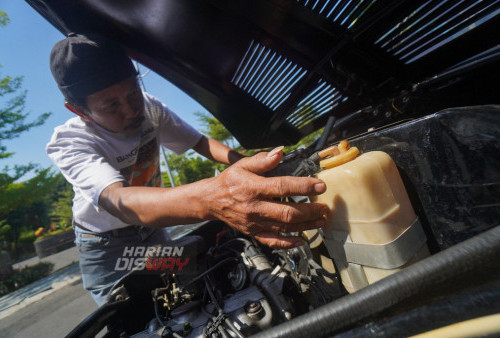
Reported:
(91, 158)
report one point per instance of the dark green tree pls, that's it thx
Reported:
(190, 169)
(216, 130)
(24, 205)
(61, 213)
(14, 121)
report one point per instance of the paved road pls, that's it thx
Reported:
(52, 316)
(50, 307)
(53, 306)
(67, 272)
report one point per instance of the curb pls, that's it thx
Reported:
(35, 291)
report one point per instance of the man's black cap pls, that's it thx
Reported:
(83, 64)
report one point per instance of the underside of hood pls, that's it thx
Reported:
(273, 71)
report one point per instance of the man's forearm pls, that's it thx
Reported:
(156, 207)
(170, 206)
(216, 151)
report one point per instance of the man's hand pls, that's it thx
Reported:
(247, 201)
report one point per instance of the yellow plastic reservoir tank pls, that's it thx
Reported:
(372, 229)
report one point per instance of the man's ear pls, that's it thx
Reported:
(78, 112)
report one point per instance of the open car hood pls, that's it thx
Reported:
(274, 71)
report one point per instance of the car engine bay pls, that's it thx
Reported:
(229, 285)
(243, 289)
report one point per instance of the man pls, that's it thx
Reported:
(110, 154)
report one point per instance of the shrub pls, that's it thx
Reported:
(25, 276)
(53, 233)
(27, 237)
(24, 245)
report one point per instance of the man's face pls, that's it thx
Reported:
(119, 108)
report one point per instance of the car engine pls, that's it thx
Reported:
(236, 288)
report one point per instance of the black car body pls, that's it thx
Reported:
(419, 80)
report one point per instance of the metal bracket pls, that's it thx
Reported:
(390, 255)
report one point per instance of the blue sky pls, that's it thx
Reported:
(25, 47)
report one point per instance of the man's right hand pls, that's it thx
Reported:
(248, 202)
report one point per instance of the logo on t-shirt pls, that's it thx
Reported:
(131, 154)
(146, 170)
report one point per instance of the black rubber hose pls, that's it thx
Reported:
(473, 303)
(94, 323)
(326, 132)
(206, 272)
(466, 257)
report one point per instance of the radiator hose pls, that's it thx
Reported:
(474, 254)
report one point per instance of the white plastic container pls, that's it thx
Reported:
(372, 228)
